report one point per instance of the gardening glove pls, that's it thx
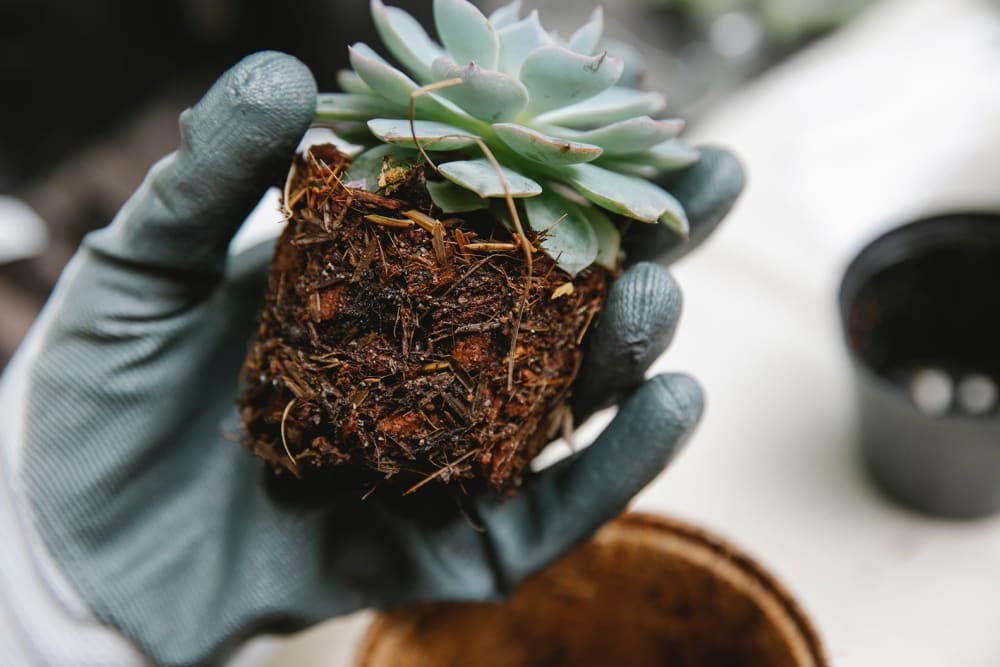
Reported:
(135, 531)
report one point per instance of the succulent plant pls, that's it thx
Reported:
(570, 139)
(397, 352)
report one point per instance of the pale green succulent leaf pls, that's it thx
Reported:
(348, 106)
(676, 218)
(633, 135)
(669, 155)
(368, 53)
(481, 177)
(565, 231)
(544, 148)
(406, 39)
(486, 94)
(467, 35)
(588, 36)
(396, 87)
(609, 239)
(557, 77)
(433, 136)
(519, 39)
(619, 193)
(627, 164)
(350, 82)
(506, 15)
(452, 198)
(612, 105)
(366, 167)
(380, 76)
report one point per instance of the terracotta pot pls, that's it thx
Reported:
(644, 591)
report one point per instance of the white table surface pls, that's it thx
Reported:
(896, 116)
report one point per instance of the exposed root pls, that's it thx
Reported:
(448, 469)
(284, 440)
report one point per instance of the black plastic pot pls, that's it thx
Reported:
(920, 308)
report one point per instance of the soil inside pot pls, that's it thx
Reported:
(397, 347)
(645, 591)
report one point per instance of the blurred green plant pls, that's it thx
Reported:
(783, 22)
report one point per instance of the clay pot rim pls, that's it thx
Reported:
(634, 523)
(727, 552)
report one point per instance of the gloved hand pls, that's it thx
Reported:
(123, 394)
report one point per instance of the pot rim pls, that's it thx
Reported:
(717, 554)
(891, 247)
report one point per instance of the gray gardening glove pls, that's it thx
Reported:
(163, 526)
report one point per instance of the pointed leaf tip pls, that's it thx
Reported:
(433, 136)
(668, 155)
(396, 87)
(467, 35)
(586, 39)
(630, 196)
(519, 39)
(675, 217)
(379, 75)
(506, 15)
(406, 39)
(557, 77)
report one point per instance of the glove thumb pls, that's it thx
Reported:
(235, 142)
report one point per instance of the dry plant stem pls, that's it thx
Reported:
(385, 345)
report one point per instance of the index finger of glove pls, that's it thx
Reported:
(235, 142)
(636, 325)
(565, 504)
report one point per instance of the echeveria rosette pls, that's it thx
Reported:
(571, 139)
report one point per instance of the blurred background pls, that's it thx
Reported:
(850, 116)
(93, 91)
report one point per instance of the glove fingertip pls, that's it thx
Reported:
(260, 106)
(681, 402)
(644, 304)
(235, 142)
